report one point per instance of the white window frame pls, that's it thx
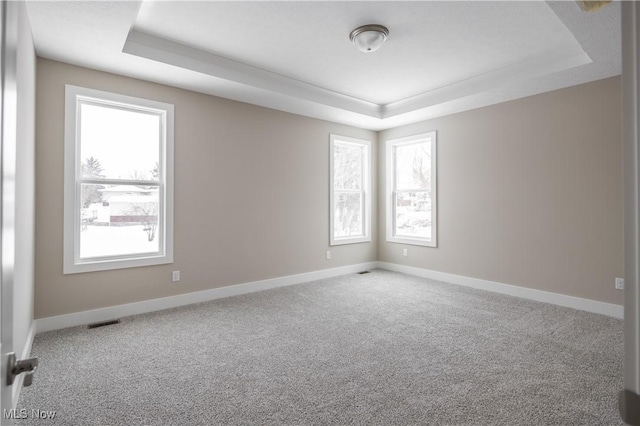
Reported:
(74, 97)
(365, 190)
(391, 193)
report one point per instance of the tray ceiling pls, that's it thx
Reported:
(440, 58)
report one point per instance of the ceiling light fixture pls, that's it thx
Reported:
(592, 5)
(369, 38)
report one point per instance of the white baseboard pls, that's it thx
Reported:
(609, 309)
(104, 314)
(113, 312)
(26, 352)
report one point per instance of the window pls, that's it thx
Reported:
(411, 190)
(350, 184)
(118, 182)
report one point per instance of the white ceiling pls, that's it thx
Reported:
(440, 57)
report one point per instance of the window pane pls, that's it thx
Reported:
(119, 144)
(348, 215)
(413, 166)
(118, 220)
(347, 166)
(413, 215)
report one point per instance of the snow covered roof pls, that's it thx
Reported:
(128, 188)
(133, 199)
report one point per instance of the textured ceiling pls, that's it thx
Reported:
(440, 58)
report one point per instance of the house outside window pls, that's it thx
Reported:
(350, 190)
(411, 203)
(118, 194)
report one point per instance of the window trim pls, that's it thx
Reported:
(366, 190)
(391, 192)
(72, 263)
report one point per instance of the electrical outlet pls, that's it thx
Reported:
(328, 255)
(405, 252)
(175, 276)
(619, 283)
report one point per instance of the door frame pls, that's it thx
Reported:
(8, 146)
(629, 399)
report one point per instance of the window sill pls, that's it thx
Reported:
(412, 241)
(343, 241)
(111, 264)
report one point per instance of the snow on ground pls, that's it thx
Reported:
(98, 241)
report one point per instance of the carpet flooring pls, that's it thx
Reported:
(376, 349)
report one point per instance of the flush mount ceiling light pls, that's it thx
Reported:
(592, 5)
(369, 38)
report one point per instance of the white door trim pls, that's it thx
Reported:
(8, 82)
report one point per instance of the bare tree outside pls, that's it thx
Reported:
(147, 215)
(348, 183)
(422, 166)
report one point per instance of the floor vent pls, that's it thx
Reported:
(363, 272)
(103, 324)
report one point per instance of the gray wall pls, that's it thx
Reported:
(529, 193)
(25, 190)
(251, 196)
